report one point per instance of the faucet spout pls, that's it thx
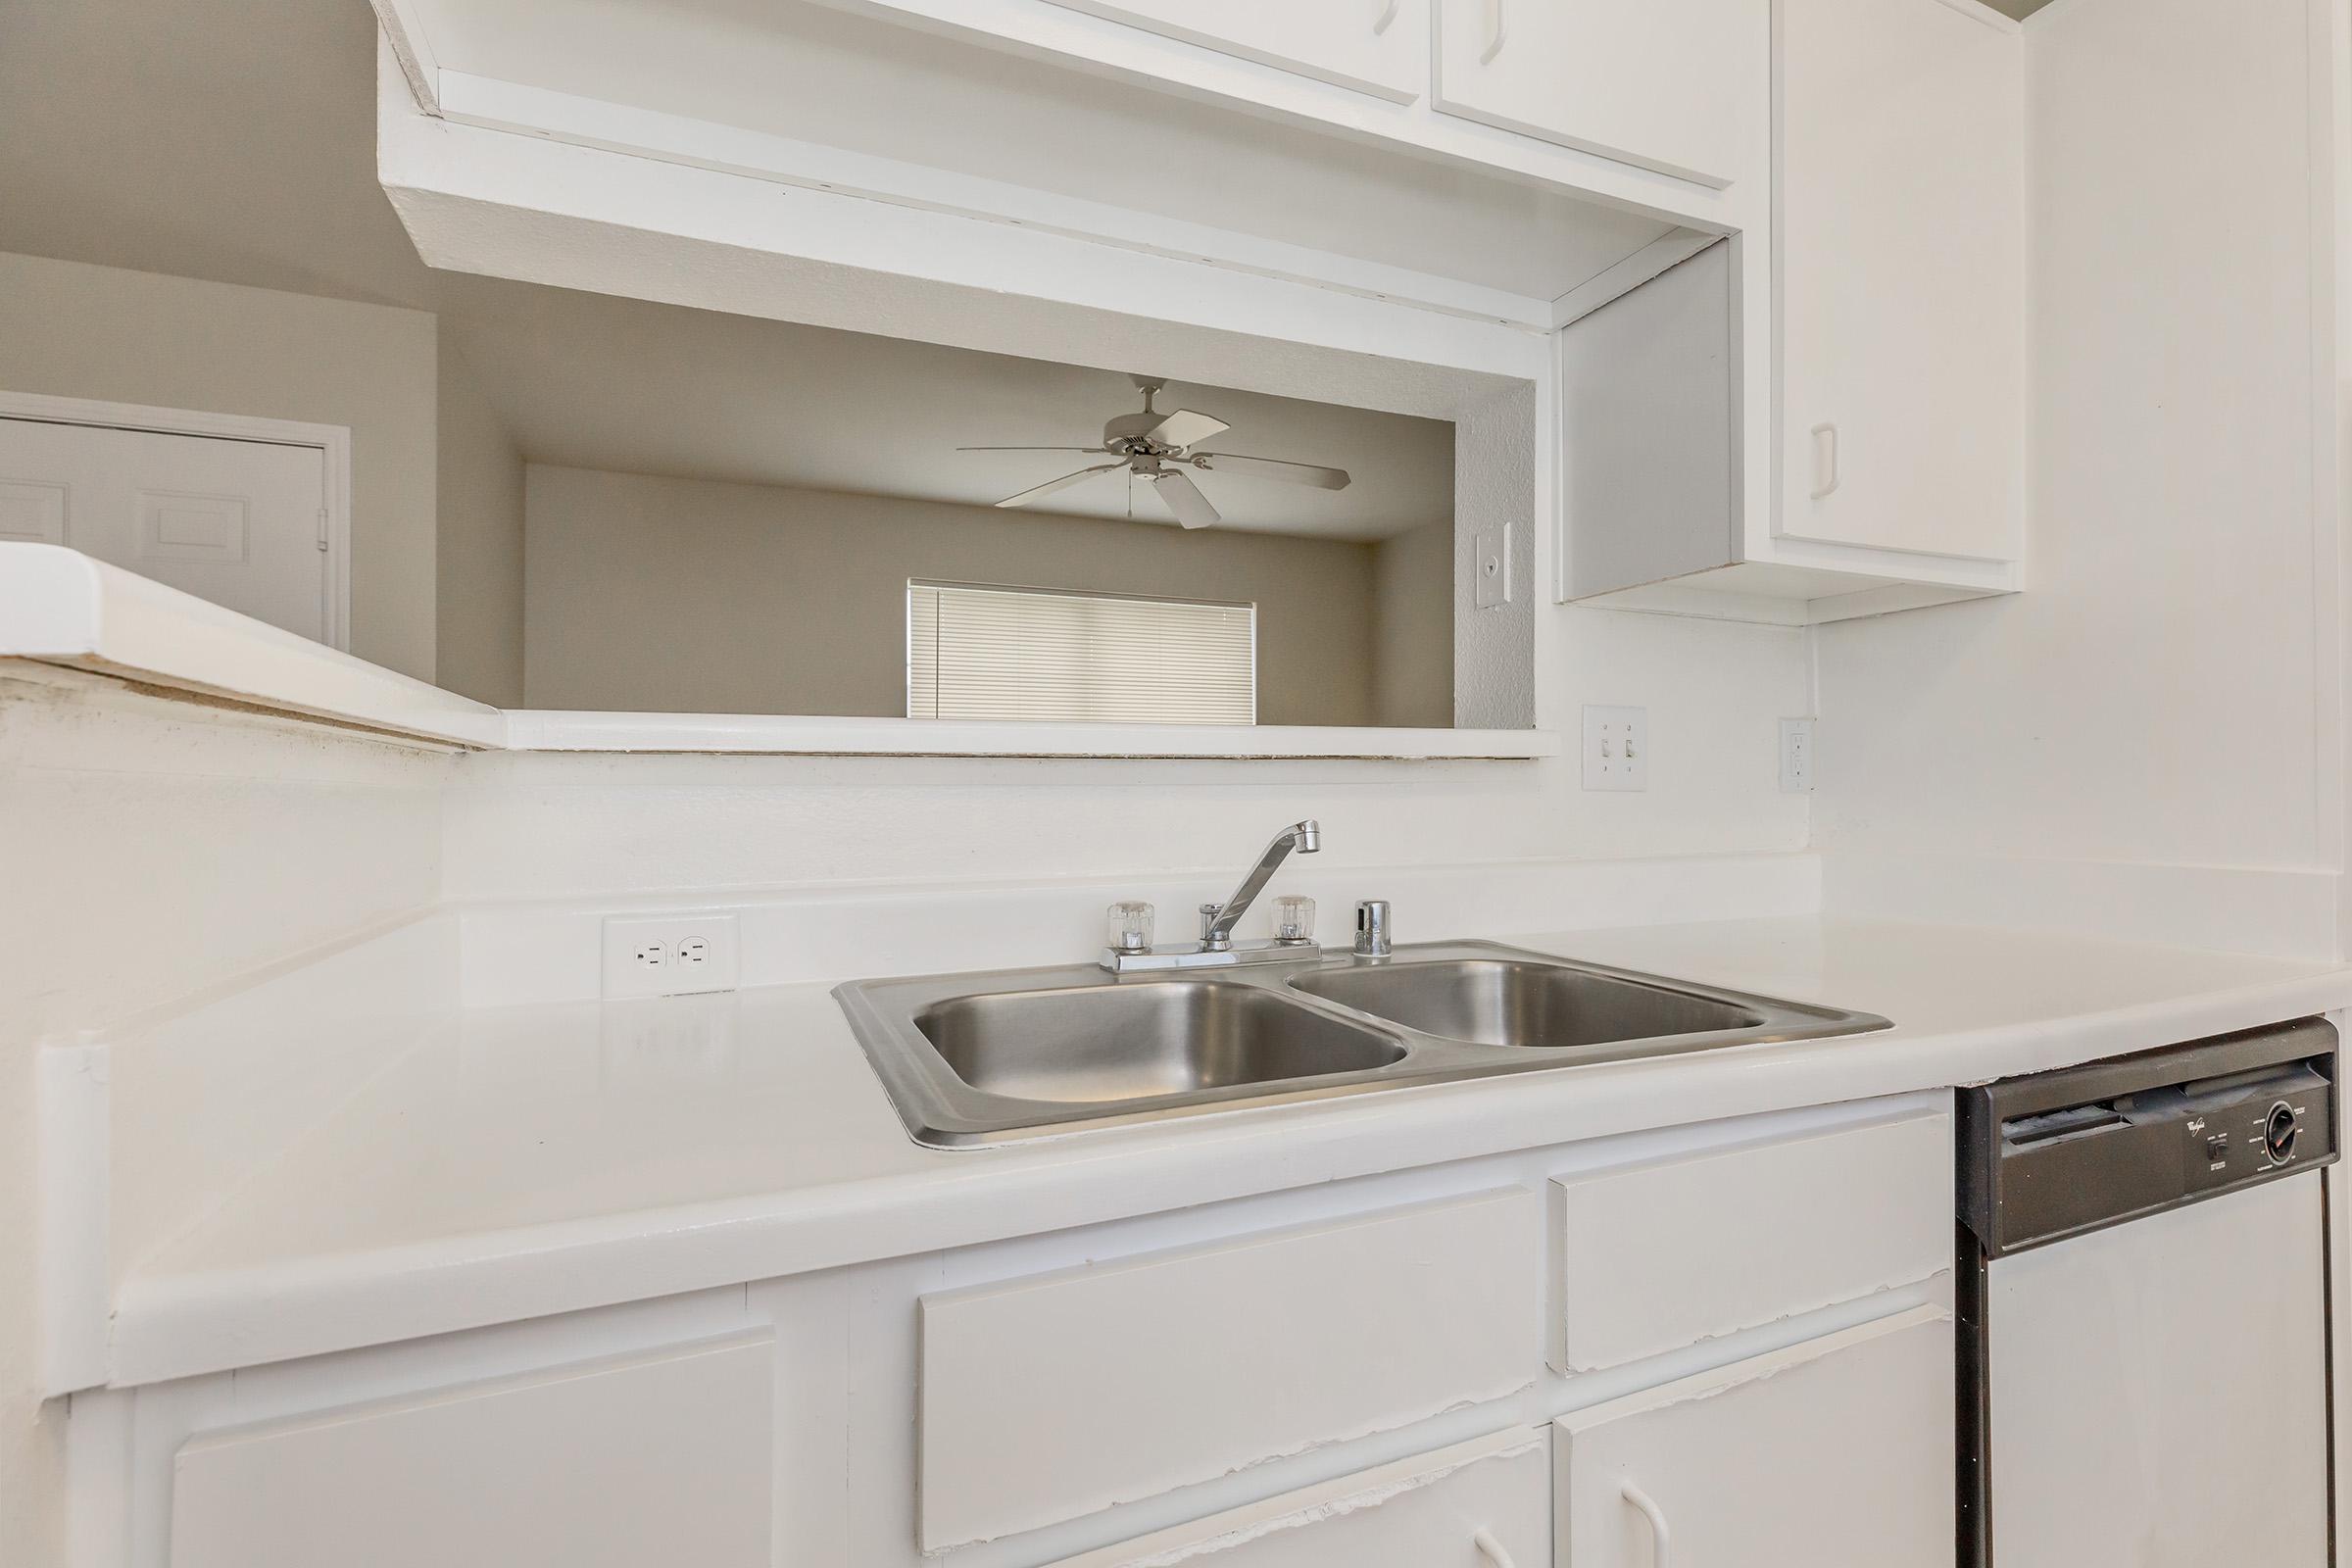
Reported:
(1217, 921)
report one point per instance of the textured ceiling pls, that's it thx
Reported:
(593, 382)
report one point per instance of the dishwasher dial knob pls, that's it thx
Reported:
(2279, 1133)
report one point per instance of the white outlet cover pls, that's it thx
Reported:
(1616, 748)
(1797, 757)
(698, 952)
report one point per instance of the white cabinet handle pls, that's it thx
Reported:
(1388, 14)
(1825, 460)
(1494, 30)
(1646, 1507)
(1491, 1549)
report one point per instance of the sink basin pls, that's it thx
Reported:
(985, 1058)
(1088, 1045)
(1509, 1002)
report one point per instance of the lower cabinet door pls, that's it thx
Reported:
(1839, 1452)
(1485, 1503)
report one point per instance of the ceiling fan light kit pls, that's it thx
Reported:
(1157, 447)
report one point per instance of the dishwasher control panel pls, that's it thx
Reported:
(2254, 1129)
(2060, 1154)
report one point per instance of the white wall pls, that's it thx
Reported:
(530, 826)
(153, 850)
(1499, 482)
(686, 595)
(1412, 628)
(71, 330)
(477, 558)
(2164, 694)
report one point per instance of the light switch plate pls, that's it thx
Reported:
(1494, 568)
(668, 955)
(1616, 748)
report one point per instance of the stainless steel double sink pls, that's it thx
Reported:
(980, 1058)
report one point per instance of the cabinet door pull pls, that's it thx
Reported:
(1494, 31)
(1825, 460)
(1388, 14)
(1491, 1549)
(1646, 1507)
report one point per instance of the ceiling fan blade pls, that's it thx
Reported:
(1184, 498)
(1279, 469)
(1183, 428)
(1028, 449)
(1062, 483)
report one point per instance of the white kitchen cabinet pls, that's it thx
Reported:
(656, 1457)
(1839, 1450)
(1376, 46)
(1486, 1502)
(1674, 86)
(1053, 1397)
(1764, 1232)
(1350, 1374)
(1901, 277)
(1870, 457)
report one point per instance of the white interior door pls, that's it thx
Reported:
(2160, 1390)
(242, 523)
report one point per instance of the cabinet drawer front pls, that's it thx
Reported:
(1418, 1513)
(1055, 1396)
(657, 1458)
(1839, 1451)
(1758, 1234)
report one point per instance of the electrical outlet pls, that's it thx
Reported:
(1797, 757)
(1494, 568)
(668, 955)
(1616, 748)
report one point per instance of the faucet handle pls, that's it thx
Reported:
(1129, 926)
(1295, 919)
(1372, 928)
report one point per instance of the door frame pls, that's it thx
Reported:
(331, 441)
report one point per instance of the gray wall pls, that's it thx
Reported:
(1412, 628)
(478, 556)
(72, 330)
(683, 596)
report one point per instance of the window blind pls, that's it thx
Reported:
(984, 651)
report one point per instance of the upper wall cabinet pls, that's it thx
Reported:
(1901, 277)
(1865, 452)
(1674, 86)
(1376, 46)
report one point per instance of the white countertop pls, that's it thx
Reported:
(512, 1163)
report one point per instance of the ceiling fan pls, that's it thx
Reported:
(1158, 447)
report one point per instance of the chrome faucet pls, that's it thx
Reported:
(1217, 921)
(1216, 947)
